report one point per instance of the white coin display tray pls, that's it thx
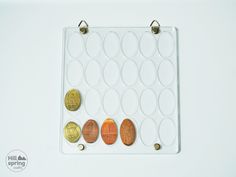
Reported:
(123, 73)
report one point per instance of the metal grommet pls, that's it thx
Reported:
(157, 146)
(155, 27)
(81, 147)
(83, 27)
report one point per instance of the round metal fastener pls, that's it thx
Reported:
(72, 100)
(157, 146)
(81, 147)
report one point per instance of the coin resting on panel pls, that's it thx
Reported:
(90, 131)
(109, 131)
(72, 100)
(127, 132)
(72, 132)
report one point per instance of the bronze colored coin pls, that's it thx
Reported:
(109, 131)
(127, 132)
(90, 131)
(72, 132)
(72, 100)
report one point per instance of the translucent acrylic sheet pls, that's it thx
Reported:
(123, 73)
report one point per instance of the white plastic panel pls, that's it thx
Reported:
(123, 73)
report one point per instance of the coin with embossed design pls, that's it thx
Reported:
(90, 131)
(109, 131)
(127, 132)
(72, 100)
(72, 132)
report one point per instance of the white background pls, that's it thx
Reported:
(30, 86)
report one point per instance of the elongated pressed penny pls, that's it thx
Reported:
(90, 131)
(109, 131)
(127, 132)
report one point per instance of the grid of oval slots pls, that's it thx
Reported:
(147, 75)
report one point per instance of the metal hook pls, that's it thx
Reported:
(83, 27)
(155, 27)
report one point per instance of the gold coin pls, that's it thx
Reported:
(72, 100)
(72, 132)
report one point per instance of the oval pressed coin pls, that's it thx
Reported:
(72, 100)
(90, 131)
(109, 131)
(127, 132)
(72, 132)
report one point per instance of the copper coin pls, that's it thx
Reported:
(109, 131)
(90, 131)
(127, 132)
